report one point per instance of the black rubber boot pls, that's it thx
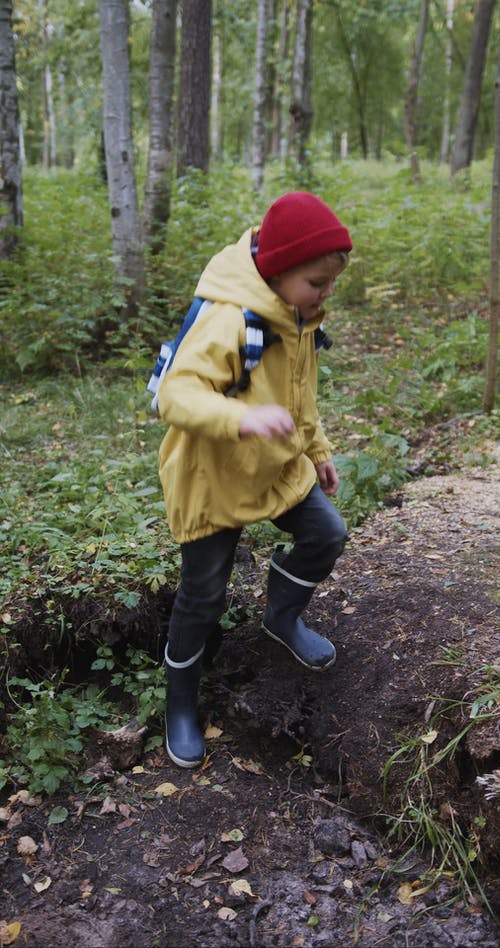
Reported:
(184, 737)
(287, 597)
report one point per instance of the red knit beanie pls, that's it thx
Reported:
(297, 228)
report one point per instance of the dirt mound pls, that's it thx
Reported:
(277, 840)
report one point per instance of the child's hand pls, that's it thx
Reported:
(328, 477)
(268, 421)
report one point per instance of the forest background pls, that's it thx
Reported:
(185, 121)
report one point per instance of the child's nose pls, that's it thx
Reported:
(328, 290)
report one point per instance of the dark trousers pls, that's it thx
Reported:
(319, 536)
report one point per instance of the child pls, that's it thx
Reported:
(226, 462)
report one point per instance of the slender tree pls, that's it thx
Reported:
(11, 209)
(492, 357)
(412, 101)
(471, 93)
(161, 122)
(301, 109)
(445, 140)
(260, 93)
(125, 223)
(194, 86)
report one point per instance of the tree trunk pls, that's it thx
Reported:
(125, 224)
(11, 210)
(358, 91)
(278, 139)
(216, 100)
(161, 123)
(491, 361)
(445, 140)
(300, 105)
(260, 94)
(471, 93)
(412, 102)
(194, 90)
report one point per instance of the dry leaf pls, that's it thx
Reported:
(138, 769)
(211, 732)
(43, 884)
(241, 887)
(124, 809)
(4, 814)
(109, 806)
(310, 897)
(429, 738)
(9, 932)
(405, 894)
(250, 766)
(151, 859)
(166, 789)
(235, 861)
(26, 846)
(227, 914)
(348, 611)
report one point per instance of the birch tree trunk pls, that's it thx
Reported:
(412, 102)
(301, 105)
(471, 93)
(278, 139)
(11, 209)
(492, 357)
(194, 88)
(161, 123)
(125, 224)
(445, 140)
(260, 94)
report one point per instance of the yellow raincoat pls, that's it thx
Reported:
(211, 477)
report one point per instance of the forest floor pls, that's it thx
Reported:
(280, 839)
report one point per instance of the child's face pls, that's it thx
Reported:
(308, 286)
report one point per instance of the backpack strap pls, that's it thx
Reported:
(258, 338)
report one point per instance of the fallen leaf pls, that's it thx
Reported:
(124, 809)
(405, 894)
(152, 859)
(166, 789)
(24, 797)
(139, 769)
(109, 806)
(58, 814)
(4, 814)
(232, 836)
(235, 861)
(429, 738)
(310, 897)
(26, 846)
(86, 888)
(250, 766)
(9, 932)
(348, 611)
(227, 914)
(193, 866)
(43, 884)
(241, 887)
(211, 732)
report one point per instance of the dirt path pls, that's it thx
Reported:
(275, 842)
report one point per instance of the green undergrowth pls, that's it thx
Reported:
(425, 821)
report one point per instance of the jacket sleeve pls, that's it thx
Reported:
(320, 449)
(208, 361)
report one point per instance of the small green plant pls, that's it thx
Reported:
(142, 678)
(46, 734)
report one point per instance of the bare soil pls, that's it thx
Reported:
(279, 840)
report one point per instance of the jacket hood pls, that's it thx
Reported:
(231, 276)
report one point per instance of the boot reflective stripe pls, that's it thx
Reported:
(186, 664)
(294, 579)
